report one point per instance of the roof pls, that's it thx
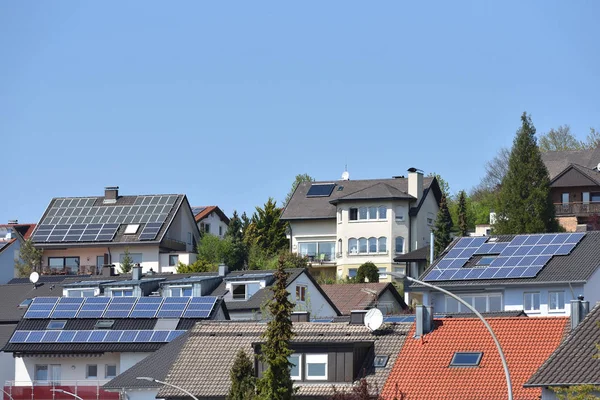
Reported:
(11, 295)
(592, 175)
(302, 207)
(417, 255)
(25, 230)
(578, 266)
(201, 212)
(204, 361)
(6, 331)
(356, 296)
(573, 363)
(487, 381)
(558, 161)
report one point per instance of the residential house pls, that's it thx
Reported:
(80, 235)
(342, 224)
(246, 292)
(210, 219)
(458, 359)
(12, 236)
(326, 355)
(574, 362)
(363, 296)
(575, 187)
(538, 273)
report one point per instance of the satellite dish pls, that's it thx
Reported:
(34, 277)
(373, 319)
(345, 176)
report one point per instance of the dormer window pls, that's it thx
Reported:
(83, 292)
(238, 292)
(243, 291)
(180, 291)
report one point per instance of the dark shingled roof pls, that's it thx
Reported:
(558, 161)
(421, 254)
(204, 361)
(575, 267)
(348, 297)
(6, 331)
(302, 207)
(574, 362)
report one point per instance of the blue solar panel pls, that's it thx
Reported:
(82, 336)
(113, 336)
(97, 336)
(399, 318)
(67, 307)
(41, 307)
(144, 336)
(159, 336)
(146, 307)
(200, 307)
(51, 336)
(66, 336)
(35, 337)
(174, 334)
(93, 307)
(173, 307)
(19, 337)
(120, 307)
(128, 336)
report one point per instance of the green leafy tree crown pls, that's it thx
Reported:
(369, 271)
(29, 259)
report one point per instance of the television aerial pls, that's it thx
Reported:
(373, 319)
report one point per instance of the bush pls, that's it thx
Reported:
(369, 271)
(198, 266)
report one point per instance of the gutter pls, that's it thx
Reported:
(503, 285)
(559, 384)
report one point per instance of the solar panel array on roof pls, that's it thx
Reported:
(95, 336)
(150, 231)
(197, 210)
(523, 257)
(320, 190)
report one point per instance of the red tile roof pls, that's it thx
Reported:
(422, 369)
(24, 229)
(206, 212)
(351, 296)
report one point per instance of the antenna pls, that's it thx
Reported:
(373, 319)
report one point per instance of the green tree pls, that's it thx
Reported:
(444, 186)
(276, 383)
(243, 382)
(126, 262)
(369, 271)
(299, 179)
(267, 230)
(29, 259)
(559, 139)
(495, 170)
(235, 253)
(524, 201)
(198, 266)
(442, 228)
(593, 139)
(463, 224)
(211, 249)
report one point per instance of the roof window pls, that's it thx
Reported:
(104, 324)
(57, 324)
(132, 229)
(25, 303)
(320, 190)
(380, 361)
(471, 359)
(485, 261)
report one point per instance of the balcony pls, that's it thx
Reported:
(71, 270)
(577, 209)
(86, 389)
(173, 244)
(321, 259)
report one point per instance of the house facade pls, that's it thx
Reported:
(342, 224)
(210, 219)
(12, 236)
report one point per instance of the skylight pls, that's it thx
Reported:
(486, 261)
(320, 190)
(380, 361)
(131, 229)
(57, 324)
(470, 359)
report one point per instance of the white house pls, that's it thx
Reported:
(342, 224)
(210, 219)
(12, 236)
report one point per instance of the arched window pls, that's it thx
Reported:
(382, 244)
(372, 245)
(399, 244)
(362, 213)
(362, 245)
(353, 246)
(372, 212)
(382, 212)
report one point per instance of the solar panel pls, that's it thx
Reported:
(146, 307)
(399, 318)
(67, 307)
(159, 336)
(144, 336)
(174, 334)
(128, 336)
(41, 307)
(35, 337)
(200, 307)
(51, 336)
(93, 307)
(96, 336)
(150, 231)
(66, 336)
(120, 307)
(113, 336)
(320, 190)
(173, 307)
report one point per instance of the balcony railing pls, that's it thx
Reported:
(354, 253)
(38, 390)
(174, 244)
(74, 270)
(577, 209)
(322, 258)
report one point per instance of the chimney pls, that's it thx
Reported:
(300, 316)
(579, 309)
(415, 183)
(111, 194)
(358, 316)
(424, 318)
(108, 270)
(136, 272)
(13, 221)
(223, 269)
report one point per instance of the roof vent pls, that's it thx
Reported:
(13, 221)
(111, 194)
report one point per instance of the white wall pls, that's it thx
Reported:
(312, 230)
(186, 258)
(591, 290)
(128, 360)
(215, 222)
(420, 228)
(148, 394)
(315, 303)
(7, 367)
(183, 224)
(8, 255)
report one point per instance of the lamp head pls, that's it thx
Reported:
(145, 378)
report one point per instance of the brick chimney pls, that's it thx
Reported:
(415, 183)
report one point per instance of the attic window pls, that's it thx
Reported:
(58, 324)
(466, 359)
(485, 261)
(104, 324)
(380, 361)
(132, 229)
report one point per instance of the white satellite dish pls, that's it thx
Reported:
(373, 319)
(34, 277)
(345, 175)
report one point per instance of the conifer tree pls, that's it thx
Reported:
(242, 378)
(236, 252)
(29, 259)
(276, 382)
(126, 262)
(463, 225)
(443, 227)
(524, 201)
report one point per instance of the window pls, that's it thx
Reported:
(585, 197)
(452, 305)
(482, 303)
(300, 293)
(380, 361)
(399, 214)
(486, 260)
(173, 259)
(362, 213)
(399, 244)
(296, 368)
(466, 359)
(565, 198)
(121, 292)
(308, 249)
(68, 264)
(352, 272)
(531, 301)
(340, 246)
(25, 303)
(239, 292)
(166, 324)
(132, 229)
(220, 230)
(91, 371)
(430, 219)
(181, 291)
(353, 246)
(362, 245)
(382, 243)
(110, 371)
(316, 366)
(207, 228)
(57, 324)
(353, 214)
(189, 236)
(41, 372)
(99, 263)
(382, 212)
(382, 272)
(595, 197)
(556, 301)
(372, 212)
(81, 293)
(372, 245)
(104, 324)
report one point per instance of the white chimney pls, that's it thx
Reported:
(415, 183)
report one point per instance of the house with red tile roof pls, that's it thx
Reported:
(12, 235)
(459, 360)
(362, 296)
(211, 219)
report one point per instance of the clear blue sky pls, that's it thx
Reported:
(227, 102)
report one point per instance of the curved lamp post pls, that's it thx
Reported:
(149, 379)
(8, 394)
(65, 392)
(470, 307)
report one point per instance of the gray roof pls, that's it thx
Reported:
(575, 267)
(574, 362)
(592, 174)
(302, 207)
(204, 361)
(6, 331)
(421, 254)
(557, 161)
(12, 295)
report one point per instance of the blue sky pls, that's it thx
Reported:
(227, 102)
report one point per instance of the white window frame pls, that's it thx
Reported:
(382, 272)
(532, 294)
(316, 359)
(385, 212)
(124, 289)
(552, 293)
(463, 309)
(355, 272)
(176, 262)
(301, 290)
(181, 288)
(399, 214)
(339, 216)
(299, 365)
(363, 210)
(236, 284)
(71, 292)
(396, 244)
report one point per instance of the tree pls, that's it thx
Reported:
(524, 201)
(442, 229)
(126, 262)
(463, 225)
(276, 383)
(593, 139)
(360, 391)
(267, 230)
(198, 266)
(559, 139)
(369, 271)
(495, 170)
(211, 249)
(443, 184)
(29, 259)
(299, 179)
(235, 250)
(243, 382)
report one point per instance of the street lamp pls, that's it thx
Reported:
(149, 379)
(65, 392)
(470, 307)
